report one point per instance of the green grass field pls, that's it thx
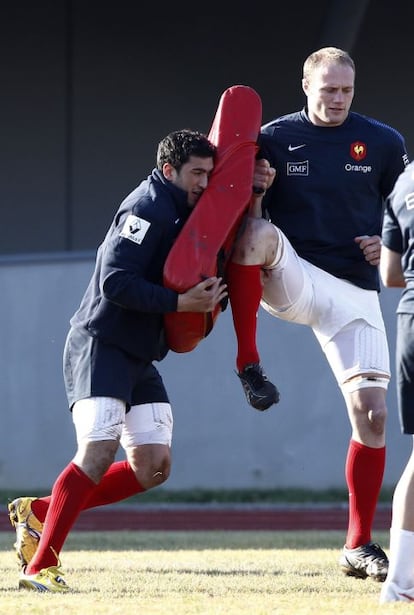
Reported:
(198, 573)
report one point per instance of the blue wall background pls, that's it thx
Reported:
(219, 441)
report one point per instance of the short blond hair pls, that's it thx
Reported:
(325, 56)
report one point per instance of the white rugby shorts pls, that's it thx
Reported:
(346, 319)
(105, 418)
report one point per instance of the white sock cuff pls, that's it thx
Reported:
(401, 567)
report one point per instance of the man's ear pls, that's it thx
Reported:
(305, 85)
(168, 171)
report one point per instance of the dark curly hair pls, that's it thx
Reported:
(177, 147)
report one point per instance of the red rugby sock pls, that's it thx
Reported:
(69, 494)
(364, 472)
(245, 292)
(117, 484)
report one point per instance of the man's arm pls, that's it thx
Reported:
(391, 269)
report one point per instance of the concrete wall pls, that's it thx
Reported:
(219, 441)
(89, 88)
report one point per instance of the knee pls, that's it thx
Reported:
(257, 238)
(370, 421)
(368, 412)
(94, 458)
(153, 474)
(161, 474)
(377, 417)
(151, 465)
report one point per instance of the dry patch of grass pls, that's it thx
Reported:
(198, 573)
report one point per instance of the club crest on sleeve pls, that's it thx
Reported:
(135, 229)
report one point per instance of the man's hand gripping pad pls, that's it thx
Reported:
(210, 230)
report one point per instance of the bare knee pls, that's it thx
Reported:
(368, 414)
(377, 419)
(94, 458)
(151, 464)
(153, 473)
(256, 244)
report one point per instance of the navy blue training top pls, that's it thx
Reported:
(125, 300)
(330, 187)
(398, 232)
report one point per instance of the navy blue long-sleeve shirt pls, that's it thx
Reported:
(125, 299)
(330, 187)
